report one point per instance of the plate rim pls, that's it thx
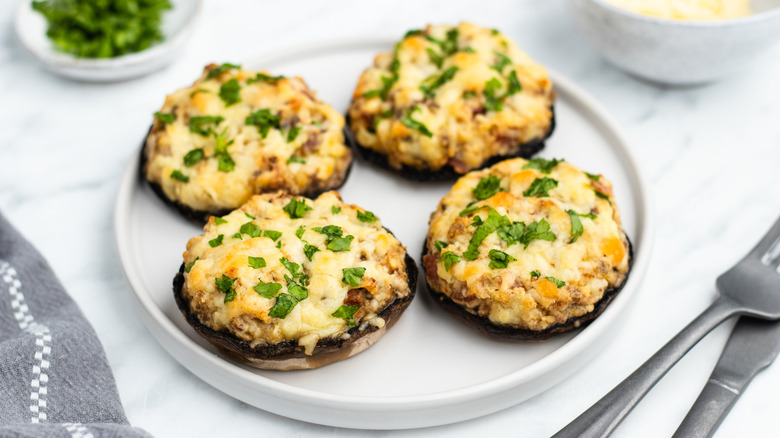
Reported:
(156, 320)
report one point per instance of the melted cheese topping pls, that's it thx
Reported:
(464, 133)
(247, 316)
(319, 156)
(687, 9)
(513, 296)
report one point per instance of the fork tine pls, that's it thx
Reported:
(767, 241)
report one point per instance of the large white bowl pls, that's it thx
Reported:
(177, 26)
(675, 51)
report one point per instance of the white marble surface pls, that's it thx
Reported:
(711, 155)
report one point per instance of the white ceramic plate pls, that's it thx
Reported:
(177, 26)
(428, 369)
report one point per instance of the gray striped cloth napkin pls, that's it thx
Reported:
(55, 380)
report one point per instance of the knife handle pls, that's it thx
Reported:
(709, 410)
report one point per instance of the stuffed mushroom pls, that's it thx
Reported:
(235, 133)
(450, 99)
(524, 250)
(287, 282)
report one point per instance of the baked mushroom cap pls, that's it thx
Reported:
(525, 250)
(450, 99)
(235, 133)
(291, 283)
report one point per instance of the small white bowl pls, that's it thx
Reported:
(675, 51)
(177, 26)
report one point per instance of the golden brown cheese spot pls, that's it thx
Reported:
(248, 315)
(463, 133)
(320, 157)
(511, 295)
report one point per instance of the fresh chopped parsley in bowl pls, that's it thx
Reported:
(103, 28)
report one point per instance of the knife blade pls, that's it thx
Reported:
(752, 346)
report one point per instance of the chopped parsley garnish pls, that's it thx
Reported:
(558, 283)
(471, 209)
(309, 250)
(542, 165)
(511, 233)
(219, 221)
(440, 245)
(468, 49)
(346, 312)
(330, 231)
(445, 77)
(199, 90)
(540, 187)
(293, 268)
(238, 236)
(469, 94)
(215, 242)
(410, 123)
(293, 133)
(352, 276)
(251, 230)
(216, 71)
(501, 62)
(166, 118)
(273, 235)
(283, 306)
(296, 209)
(603, 196)
(487, 187)
(225, 285)
(387, 84)
(449, 45)
(413, 32)
(492, 99)
(176, 174)
(499, 259)
(226, 163)
(262, 77)
(335, 210)
(193, 157)
(514, 84)
(256, 262)
(340, 244)
(264, 120)
(366, 216)
(593, 177)
(435, 58)
(576, 226)
(267, 290)
(535, 274)
(536, 231)
(298, 292)
(188, 266)
(296, 160)
(299, 232)
(249, 216)
(483, 230)
(229, 92)
(198, 124)
(449, 258)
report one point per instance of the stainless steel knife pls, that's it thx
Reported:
(752, 346)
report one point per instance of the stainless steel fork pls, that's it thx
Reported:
(751, 288)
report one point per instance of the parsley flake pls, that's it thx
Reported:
(264, 120)
(537, 231)
(309, 250)
(346, 312)
(216, 241)
(499, 259)
(593, 177)
(273, 235)
(340, 244)
(198, 124)
(256, 262)
(283, 306)
(535, 274)
(219, 221)
(484, 229)
(167, 118)
(410, 123)
(216, 71)
(330, 231)
(293, 133)
(249, 216)
(229, 92)
(445, 77)
(193, 157)
(514, 84)
(558, 283)
(366, 216)
(176, 174)
(540, 187)
(501, 62)
(542, 165)
(440, 245)
(262, 77)
(352, 276)
(335, 210)
(251, 230)
(492, 100)
(469, 94)
(188, 266)
(449, 258)
(511, 233)
(299, 232)
(226, 286)
(298, 292)
(487, 187)
(267, 290)
(296, 160)
(435, 58)
(603, 196)
(296, 209)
